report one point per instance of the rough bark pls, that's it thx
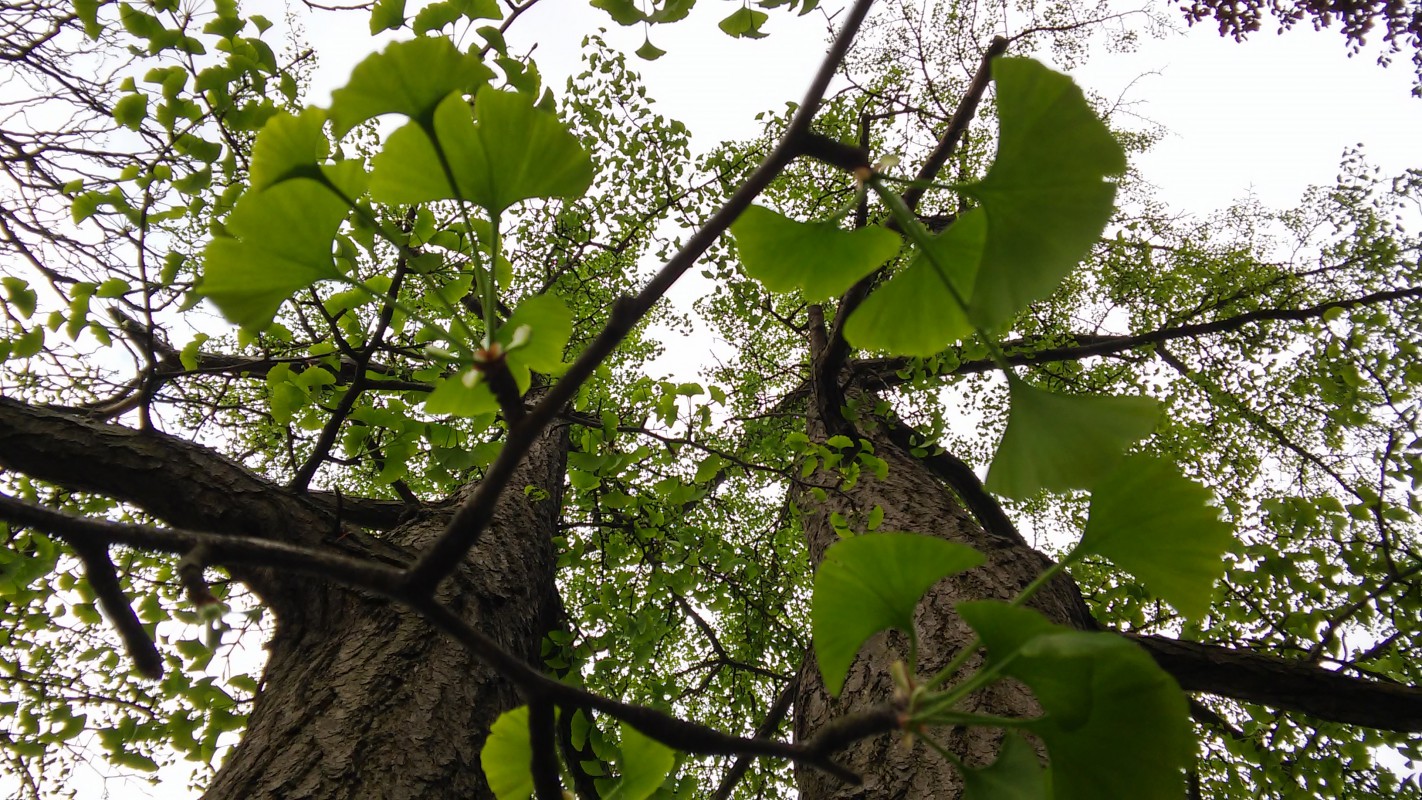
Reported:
(913, 499)
(364, 699)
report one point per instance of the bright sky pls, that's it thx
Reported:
(1269, 117)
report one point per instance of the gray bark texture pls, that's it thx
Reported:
(913, 500)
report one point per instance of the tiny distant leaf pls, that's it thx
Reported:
(507, 756)
(1059, 442)
(550, 325)
(409, 78)
(872, 582)
(288, 146)
(1115, 724)
(744, 24)
(914, 314)
(1045, 195)
(1154, 523)
(649, 51)
(819, 258)
(507, 151)
(1015, 775)
(386, 15)
(644, 765)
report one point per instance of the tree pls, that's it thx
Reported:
(500, 558)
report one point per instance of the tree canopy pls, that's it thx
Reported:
(1012, 481)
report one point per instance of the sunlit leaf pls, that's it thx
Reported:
(872, 582)
(1059, 442)
(914, 314)
(409, 78)
(1159, 526)
(644, 765)
(130, 110)
(550, 324)
(507, 756)
(505, 152)
(1045, 195)
(819, 258)
(280, 243)
(1114, 722)
(461, 395)
(288, 146)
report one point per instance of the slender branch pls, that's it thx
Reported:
(104, 580)
(475, 513)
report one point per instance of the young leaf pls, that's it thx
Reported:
(1114, 722)
(1159, 526)
(505, 152)
(914, 314)
(507, 756)
(288, 146)
(744, 24)
(1059, 442)
(819, 258)
(461, 396)
(1045, 197)
(1015, 775)
(282, 244)
(409, 78)
(386, 15)
(550, 323)
(644, 765)
(871, 582)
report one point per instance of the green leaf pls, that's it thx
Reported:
(671, 11)
(130, 110)
(872, 582)
(507, 756)
(435, 16)
(455, 395)
(1159, 526)
(644, 765)
(914, 314)
(282, 244)
(505, 152)
(1015, 775)
(649, 51)
(550, 326)
(1044, 196)
(289, 147)
(1114, 722)
(623, 12)
(19, 294)
(819, 258)
(1059, 442)
(88, 13)
(409, 78)
(744, 24)
(386, 15)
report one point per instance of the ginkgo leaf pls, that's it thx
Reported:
(1059, 442)
(503, 152)
(550, 324)
(644, 765)
(288, 146)
(280, 243)
(507, 757)
(914, 314)
(1160, 526)
(1045, 195)
(409, 78)
(1015, 775)
(819, 258)
(744, 23)
(465, 394)
(871, 582)
(1114, 723)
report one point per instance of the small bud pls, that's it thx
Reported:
(471, 378)
(521, 336)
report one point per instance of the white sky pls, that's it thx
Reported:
(1268, 117)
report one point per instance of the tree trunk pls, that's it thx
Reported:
(363, 699)
(913, 500)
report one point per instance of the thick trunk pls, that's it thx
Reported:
(362, 699)
(914, 500)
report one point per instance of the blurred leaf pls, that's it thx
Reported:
(819, 258)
